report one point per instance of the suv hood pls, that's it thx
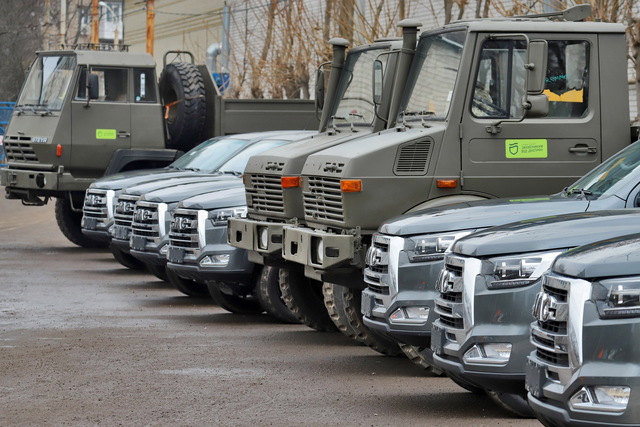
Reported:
(227, 198)
(176, 193)
(129, 179)
(480, 214)
(555, 232)
(148, 187)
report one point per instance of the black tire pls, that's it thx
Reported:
(160, 271)
(416, 355)
(231, 301)
(336, 309)
(127, 260)
(352, 302)
(304, 298)
(189, 287)
(182, 85)
(515, 404)
(270, 297)
(467, 386)
(69, 224)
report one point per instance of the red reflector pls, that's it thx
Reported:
(59, 150)
(446, 183)
(350, 185)
(290, 181)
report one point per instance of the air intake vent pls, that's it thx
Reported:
(413, 158)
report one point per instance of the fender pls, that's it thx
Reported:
(448, 200)
(132, 159)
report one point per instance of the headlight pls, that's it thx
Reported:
(219, 217)
(617, 298)
(431, 247)
(520, 270)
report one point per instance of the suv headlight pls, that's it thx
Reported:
(617, 298)
(219, 217)
(431, 247)
(520, 270)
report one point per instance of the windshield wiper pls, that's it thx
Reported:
(421, 113)
(581, 191)
(234, 173)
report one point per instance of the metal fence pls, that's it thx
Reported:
(6, 109)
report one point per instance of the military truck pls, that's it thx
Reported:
(90, 111)
(584, 369)
(493, 108)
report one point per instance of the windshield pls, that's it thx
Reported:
(436, 65)
(48, 82)
(210, 155)
(356, 84)
(609, 177)
(238, 162)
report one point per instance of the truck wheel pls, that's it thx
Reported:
(270, 297)
(352, 301)
(304, 298)
(69, 224)
(127, 260)
(160, 271)
(231, 301)
(516, 404)
(188, 287)
(416, 355)
(336, 309)
(183, 93)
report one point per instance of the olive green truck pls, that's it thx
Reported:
(88, 112)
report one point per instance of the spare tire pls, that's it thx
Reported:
(182, 91)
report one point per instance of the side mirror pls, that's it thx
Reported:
(536, 106)
(319, 89)
(378, 76)
(536, 66)
(92, 86)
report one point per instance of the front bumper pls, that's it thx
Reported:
(250, 235)
(317, 249)
(41, 182)
(96, 230)
(238, 270)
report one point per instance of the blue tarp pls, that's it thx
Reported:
(6, 108)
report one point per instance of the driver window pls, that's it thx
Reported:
(112, 85)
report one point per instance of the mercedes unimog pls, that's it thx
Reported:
(93, 111)
(493, 108)
(272, 184)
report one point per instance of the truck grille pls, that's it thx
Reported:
(376, 273)
(183, 231)
(123, 213)
(145, 221)
(549, 333)
(323, 199)
(19, 151)
(95, 205)
(448, 305)
(265, 194)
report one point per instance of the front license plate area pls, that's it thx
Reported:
(138, 243)
(90, 223)
(366, 307)
(176, 255)
(437, 339)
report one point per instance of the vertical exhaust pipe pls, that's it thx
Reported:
(337, 64)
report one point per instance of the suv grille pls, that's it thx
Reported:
(95, 205)
(323, 199)
(123, 213)
(376, 273)
(450, 287)
(183, 232)
(549, 333)
(265, 194)
(19, 150)
(145, 221)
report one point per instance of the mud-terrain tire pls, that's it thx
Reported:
(231, 301)
(515, 404)
(160, 271)
(336, 309)
(352, 302)
(414, 353)
(188, 287)
(69, 224)
(182, 85)
(127, 260)
(270, 297)
(304, 298)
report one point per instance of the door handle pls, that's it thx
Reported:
(583, 149)
(124, 134)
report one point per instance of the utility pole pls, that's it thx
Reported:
(150, 30)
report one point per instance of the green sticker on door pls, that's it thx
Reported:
(106, 134)
(526, 148)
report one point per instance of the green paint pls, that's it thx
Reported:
(526, 148)
(106, 134)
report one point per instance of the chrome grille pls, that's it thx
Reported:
(549, 332)
(95, 204)
(376, 271)
(19, 150)
(448, 305)
(123, 213)
(265, 194)
(323, 199)
(183, 233)
(145, 220)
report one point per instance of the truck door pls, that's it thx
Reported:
(101, 125)
(504, 157)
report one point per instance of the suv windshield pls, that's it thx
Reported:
(609, 177)
(433, 75)
(356, 84)
(48, 82)
(238, 163)
(211, 154)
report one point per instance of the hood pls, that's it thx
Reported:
(614, 257)
(148, 187)
(228, 198)
(480, 214)
(131, 178)
(175, 193)
(554, 232)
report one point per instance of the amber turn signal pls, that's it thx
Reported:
(350, 185)
(290, 181)
(59, 150)
(446, 183)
